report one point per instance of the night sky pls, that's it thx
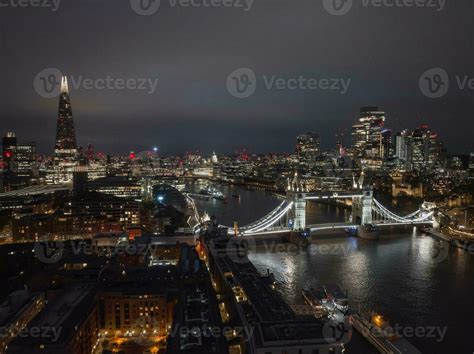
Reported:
(192, 50)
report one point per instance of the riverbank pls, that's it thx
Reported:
(463, 244)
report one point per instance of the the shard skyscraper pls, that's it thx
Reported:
(65, 151)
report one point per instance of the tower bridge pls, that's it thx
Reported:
(290, 215)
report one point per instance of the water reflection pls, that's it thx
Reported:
(413, 280)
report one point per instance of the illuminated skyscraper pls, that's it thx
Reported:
(387, 145)
(26, 165)
(367, 140)
(308, 147)
(9, 146)
(19, 162)
(426, 151)
(403, 149)
(65, 151)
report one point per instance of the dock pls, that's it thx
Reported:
(375, 336)
(439, 235)
(466, 245)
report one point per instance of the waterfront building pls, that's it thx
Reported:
(249, 299)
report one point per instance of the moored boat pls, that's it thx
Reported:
(334, 293)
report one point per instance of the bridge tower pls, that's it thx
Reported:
(300, 211)
(362, 207)
(296, 193)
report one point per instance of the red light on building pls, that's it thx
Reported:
(132, 155)
(7, 154)
(424, 126)
(134, 232)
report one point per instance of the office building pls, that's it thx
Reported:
(308, 147)
(367, 139)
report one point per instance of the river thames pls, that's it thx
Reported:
(421, 286)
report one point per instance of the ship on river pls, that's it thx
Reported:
(212, 192)
(335, 294)
(317, 299)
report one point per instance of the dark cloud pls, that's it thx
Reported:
(192, 50)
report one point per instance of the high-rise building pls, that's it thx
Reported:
(26, 161)
(367, 140)
(308, 147)
(418, 149)
(80, 179)
(19, 162)
(9, 146)
(434, 149)
(403, 144)
(387, 145)
(426, 150)
(65, 151)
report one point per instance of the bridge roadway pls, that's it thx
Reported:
(36, 190)
(335, 195)
(329, 226)
(317, 227)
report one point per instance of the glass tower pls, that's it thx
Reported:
(65, 151)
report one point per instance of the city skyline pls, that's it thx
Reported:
(342, 135)
(236, 176)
